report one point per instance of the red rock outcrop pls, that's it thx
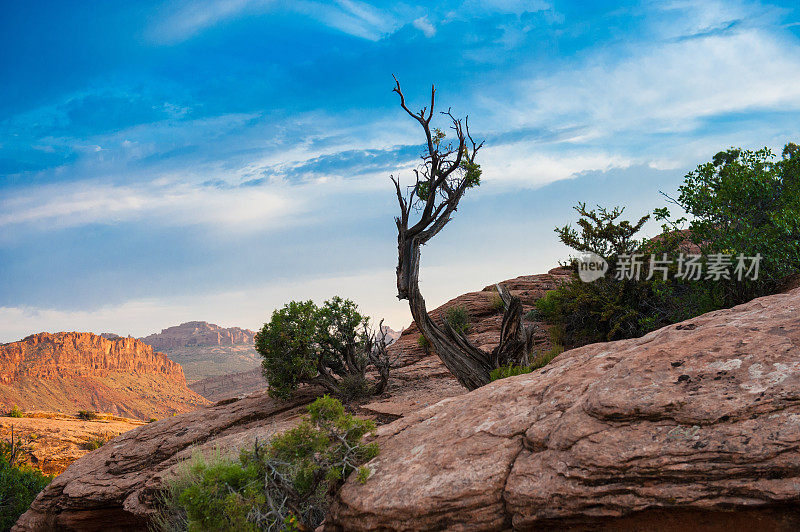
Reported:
(76, 354)
(71, 371)
(115, 489)
(696, 425)
(199, 333)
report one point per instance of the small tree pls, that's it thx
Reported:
(746, 202)
(446, 171)
(331, 346)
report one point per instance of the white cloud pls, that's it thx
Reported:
(424, 25)
(352, 17)
(667, 88)
(58, 206)
(190, 18)
(511, 164)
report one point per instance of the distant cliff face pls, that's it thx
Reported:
(66, 354)
(71, 371)
(199, 334)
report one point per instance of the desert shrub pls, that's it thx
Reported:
(87, 415)
(16, 412)
(19, 483)
(282, 485)
(152, 420)
(533, 315)
(97, 441)
(496, 302)
(424, 343)
(458, 318)
(543, 359)
(508, 371)
(539, 361)
(611, 308)
(330, 345)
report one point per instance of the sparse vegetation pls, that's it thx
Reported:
(331, 346)
(496, 302)
(19, 483)
(539, 361)
(97, 441)
(16, 412)
(87, 415)
(533, 315)
(424, 344)
(282, 485)
(458, 318)
(509, 371)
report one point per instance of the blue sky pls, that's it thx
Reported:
(169, 161)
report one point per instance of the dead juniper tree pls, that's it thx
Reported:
(446, 171)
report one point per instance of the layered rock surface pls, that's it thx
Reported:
(71, 371)
(68, 354)
(694, 425)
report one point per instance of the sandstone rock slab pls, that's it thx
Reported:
(694, 423)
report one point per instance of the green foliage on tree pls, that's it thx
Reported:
(741, 202)
(330, 345)
(745, 202)
(602, 232)
(16, 412)
(458, 318)
(281, 485)
(19, 483)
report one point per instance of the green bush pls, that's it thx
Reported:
(508, 371)
(496, 302)
(745, 202)
(331, 346)
(87, 415)
(458, 318)
(539, 361)
(742, 202)
(95, 442)
(424, 343)
(545, 358)
(278, 486)
(19, 485)
(16, 412)
(533, 315)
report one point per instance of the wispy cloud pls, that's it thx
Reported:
(351, 17)
(62, 206)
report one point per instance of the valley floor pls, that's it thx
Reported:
(53, 441)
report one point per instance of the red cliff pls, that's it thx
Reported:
(70, 371)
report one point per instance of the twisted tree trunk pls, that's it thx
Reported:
(441, 180)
